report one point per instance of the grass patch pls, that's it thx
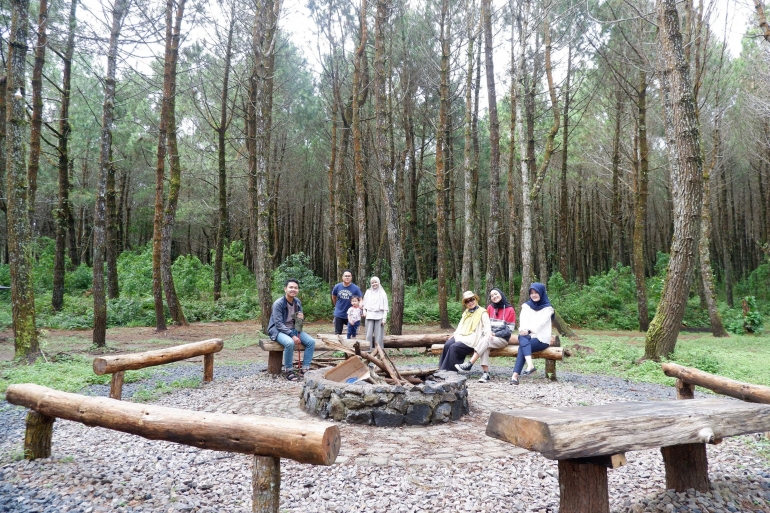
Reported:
(145, 395)
(63, 371)
(242, 341)
(740, 357)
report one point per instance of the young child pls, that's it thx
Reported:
(354, 316)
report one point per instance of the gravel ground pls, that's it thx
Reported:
(452, 467)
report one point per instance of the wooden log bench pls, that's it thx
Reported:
(551, 355)
(322, 341)
(588, 440)
(118, 364)
(268, 439)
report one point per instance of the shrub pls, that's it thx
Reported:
(192, 278)
(82, 278)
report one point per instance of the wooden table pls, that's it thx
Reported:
(588, 440)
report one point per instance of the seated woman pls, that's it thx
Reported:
(473, 327)
(502, 316)
(534, 330)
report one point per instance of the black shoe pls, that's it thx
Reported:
(528, 372)
(514, 381)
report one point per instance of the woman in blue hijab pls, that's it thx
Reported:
(534, 330)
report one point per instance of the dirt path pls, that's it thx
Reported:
(242, 335)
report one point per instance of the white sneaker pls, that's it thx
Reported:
(464, 367)
(484, 378)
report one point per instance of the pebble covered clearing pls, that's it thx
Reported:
(437, 468)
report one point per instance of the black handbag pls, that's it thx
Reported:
(502, 331)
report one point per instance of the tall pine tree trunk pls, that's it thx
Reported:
(63, 213)
(493, 231)
(687, 184)
(441, 152)
(119, 10)
(640, 205)
(260, 111)
(222, 227)
(359, 98)
(386, 171)
(19, 229)
(469, 222)
(175, 168)
(37, 107)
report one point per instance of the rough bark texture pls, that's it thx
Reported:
(686, 467)
(386, 172)
(469, 213)
(19, 230)
(266, 484)
(260, 125)
(3, 113)
(105, 161)
(640, 205)
(116, 385)
(38, 436)
(563, 189)
(493, 228)
(526, 151)
(583, 487)
(441, 153)
(359, 98)
(175, 169)
(687, 184)
(224, 121)
(760, 10)
(63, 213)
(36, 121)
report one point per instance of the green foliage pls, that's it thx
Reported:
(313, 291)
(607, 302)
(758, 282)
(421, 305)
(135, 272)
(79, 280)
(748, 321)
(192, 278)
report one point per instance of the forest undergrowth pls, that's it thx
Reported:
(606, 302)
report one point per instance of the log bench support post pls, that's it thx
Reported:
(686, 467)
(208, 367)
(266, 484)
(116, 385)
(550, 365)
(274, 362)
(583, 483)
(37, 438)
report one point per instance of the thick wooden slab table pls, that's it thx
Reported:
(587, 440)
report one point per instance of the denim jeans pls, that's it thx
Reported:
(527, 346)
(288, 348)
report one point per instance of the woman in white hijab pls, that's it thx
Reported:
(375, 311)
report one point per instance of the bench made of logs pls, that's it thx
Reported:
(268, 439)
(118, 364)
(553, 353)
(275, 355)
(588, 440)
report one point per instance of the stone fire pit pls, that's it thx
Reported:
(436, 401)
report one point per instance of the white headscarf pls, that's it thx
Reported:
(376, 300)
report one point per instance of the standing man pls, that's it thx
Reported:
(342, 293)
(286, 310)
